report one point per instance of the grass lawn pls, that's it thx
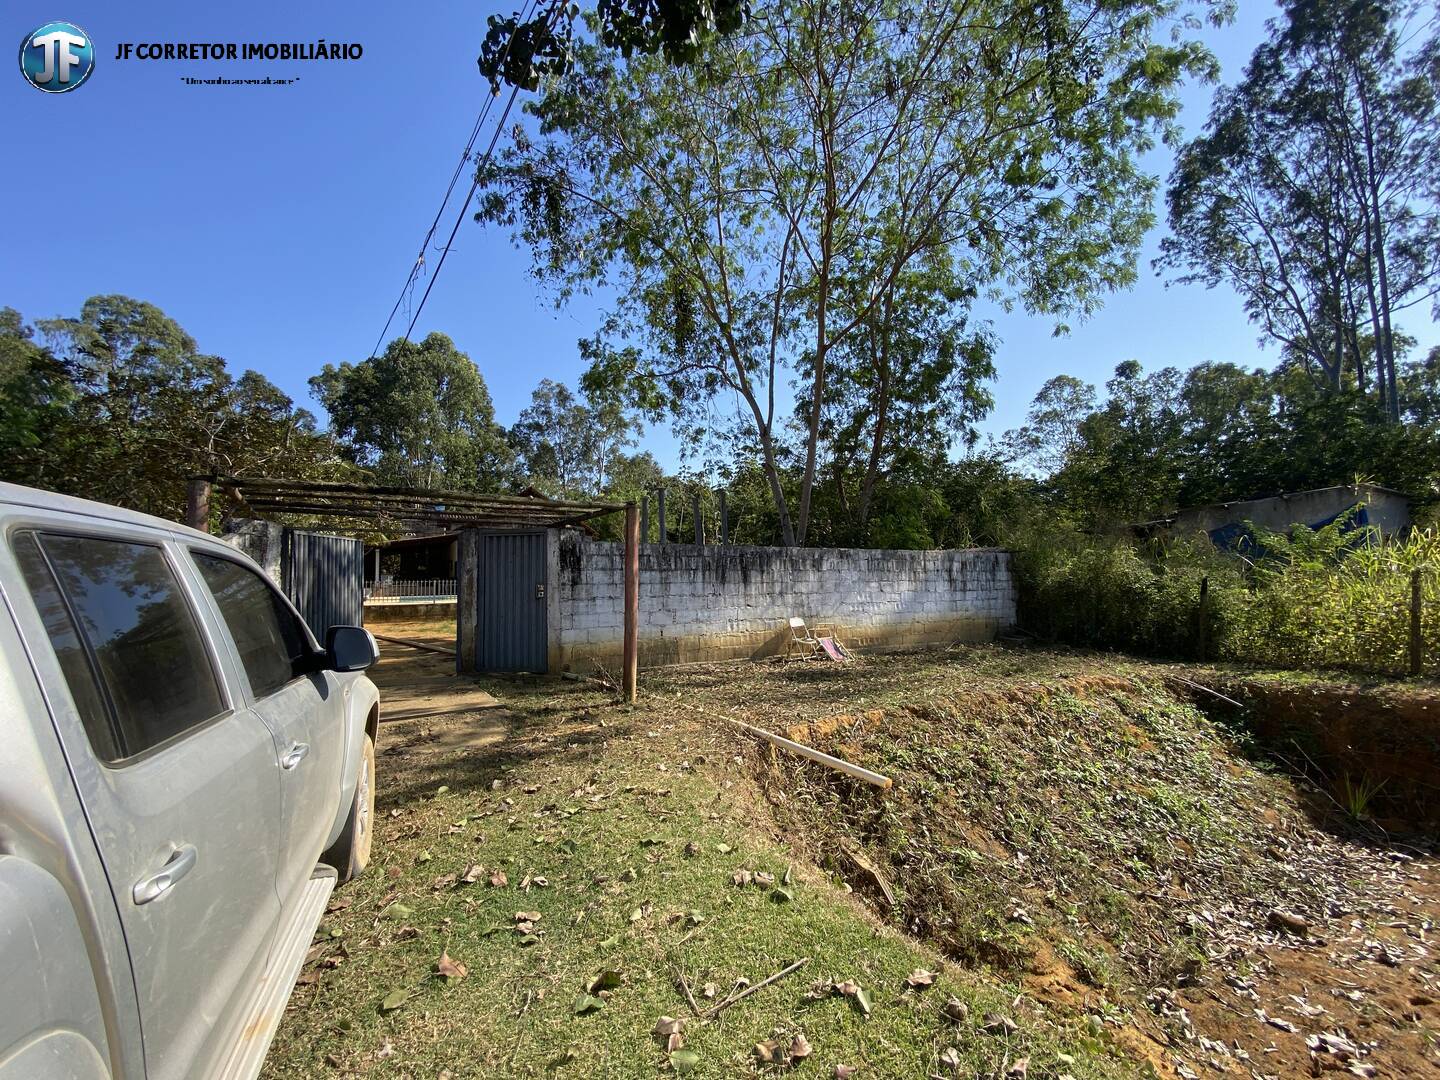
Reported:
(622, 830)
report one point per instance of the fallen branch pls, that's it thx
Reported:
(685, 988)
(575, 676)
(1216, 693)
(718, 1009)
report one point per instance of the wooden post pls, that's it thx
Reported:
(1204, 615)
(699, 520)
(1417, 642)
(467, 602)
(660, 499)
(632, 599)
(197, 503)
(645, 519)
(724, 521)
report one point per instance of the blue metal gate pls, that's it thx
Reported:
(324, 576)
(510, 628)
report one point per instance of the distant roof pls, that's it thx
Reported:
(408, 508)
(1169, 519)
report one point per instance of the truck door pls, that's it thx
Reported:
(180, 783)
(303, 709)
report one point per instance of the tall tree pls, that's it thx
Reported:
(1312, 191)
(902, 389)
(119, 405)
(35, 397)
(417, 415)
(524, 48)
(754, 209)
(569, 446)
(1051, 432)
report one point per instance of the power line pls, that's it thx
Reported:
(408, 289)
(495, 138)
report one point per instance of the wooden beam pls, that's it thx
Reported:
(632, 600)
(424, 495)
(809, 752)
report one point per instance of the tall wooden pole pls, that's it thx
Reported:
(660, 510)
(1204, 616)
(197, 503)
(632, 599)
(699, 520)
(1417, 641)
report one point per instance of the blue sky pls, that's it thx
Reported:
(277, 224)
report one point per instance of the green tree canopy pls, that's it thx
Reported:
(417, 415)
(1313, 190)
(757, 210)
(120, 405)
(568, 446)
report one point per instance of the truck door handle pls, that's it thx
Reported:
(180, 863)
(294, 755)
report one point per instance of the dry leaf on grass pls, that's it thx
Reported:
(449, 969)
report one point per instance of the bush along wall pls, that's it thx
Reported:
(1327, 598)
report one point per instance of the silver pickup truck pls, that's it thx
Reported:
(185, 775)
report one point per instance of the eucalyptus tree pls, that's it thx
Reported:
(1313, 190)
(756, 209)
(568, 445)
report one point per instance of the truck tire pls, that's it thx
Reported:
(351, 851)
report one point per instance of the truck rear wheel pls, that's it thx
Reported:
(351, 851)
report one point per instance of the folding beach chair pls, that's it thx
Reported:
(822, 642)
(801, 640)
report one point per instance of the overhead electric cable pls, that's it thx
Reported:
(407, 290)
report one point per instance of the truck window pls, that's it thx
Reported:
(69, 649)
(140, 637)
(266, 632)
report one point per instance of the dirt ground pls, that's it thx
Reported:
(1073, 819)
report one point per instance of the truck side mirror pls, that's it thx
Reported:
(350, 648)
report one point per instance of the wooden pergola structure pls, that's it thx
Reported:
(380, 507)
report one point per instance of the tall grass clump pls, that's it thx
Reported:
(1333, 597)
(1328, 598)
(1115, 593)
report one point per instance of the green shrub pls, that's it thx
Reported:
(1326, 598)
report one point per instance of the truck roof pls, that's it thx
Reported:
(19, 495)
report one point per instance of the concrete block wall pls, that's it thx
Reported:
(705, 603)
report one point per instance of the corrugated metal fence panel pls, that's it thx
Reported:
(325, 579)
(510, 629)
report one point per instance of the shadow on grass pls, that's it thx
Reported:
(532, 741)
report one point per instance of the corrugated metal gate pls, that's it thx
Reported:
(324, 576)
(510, 594)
